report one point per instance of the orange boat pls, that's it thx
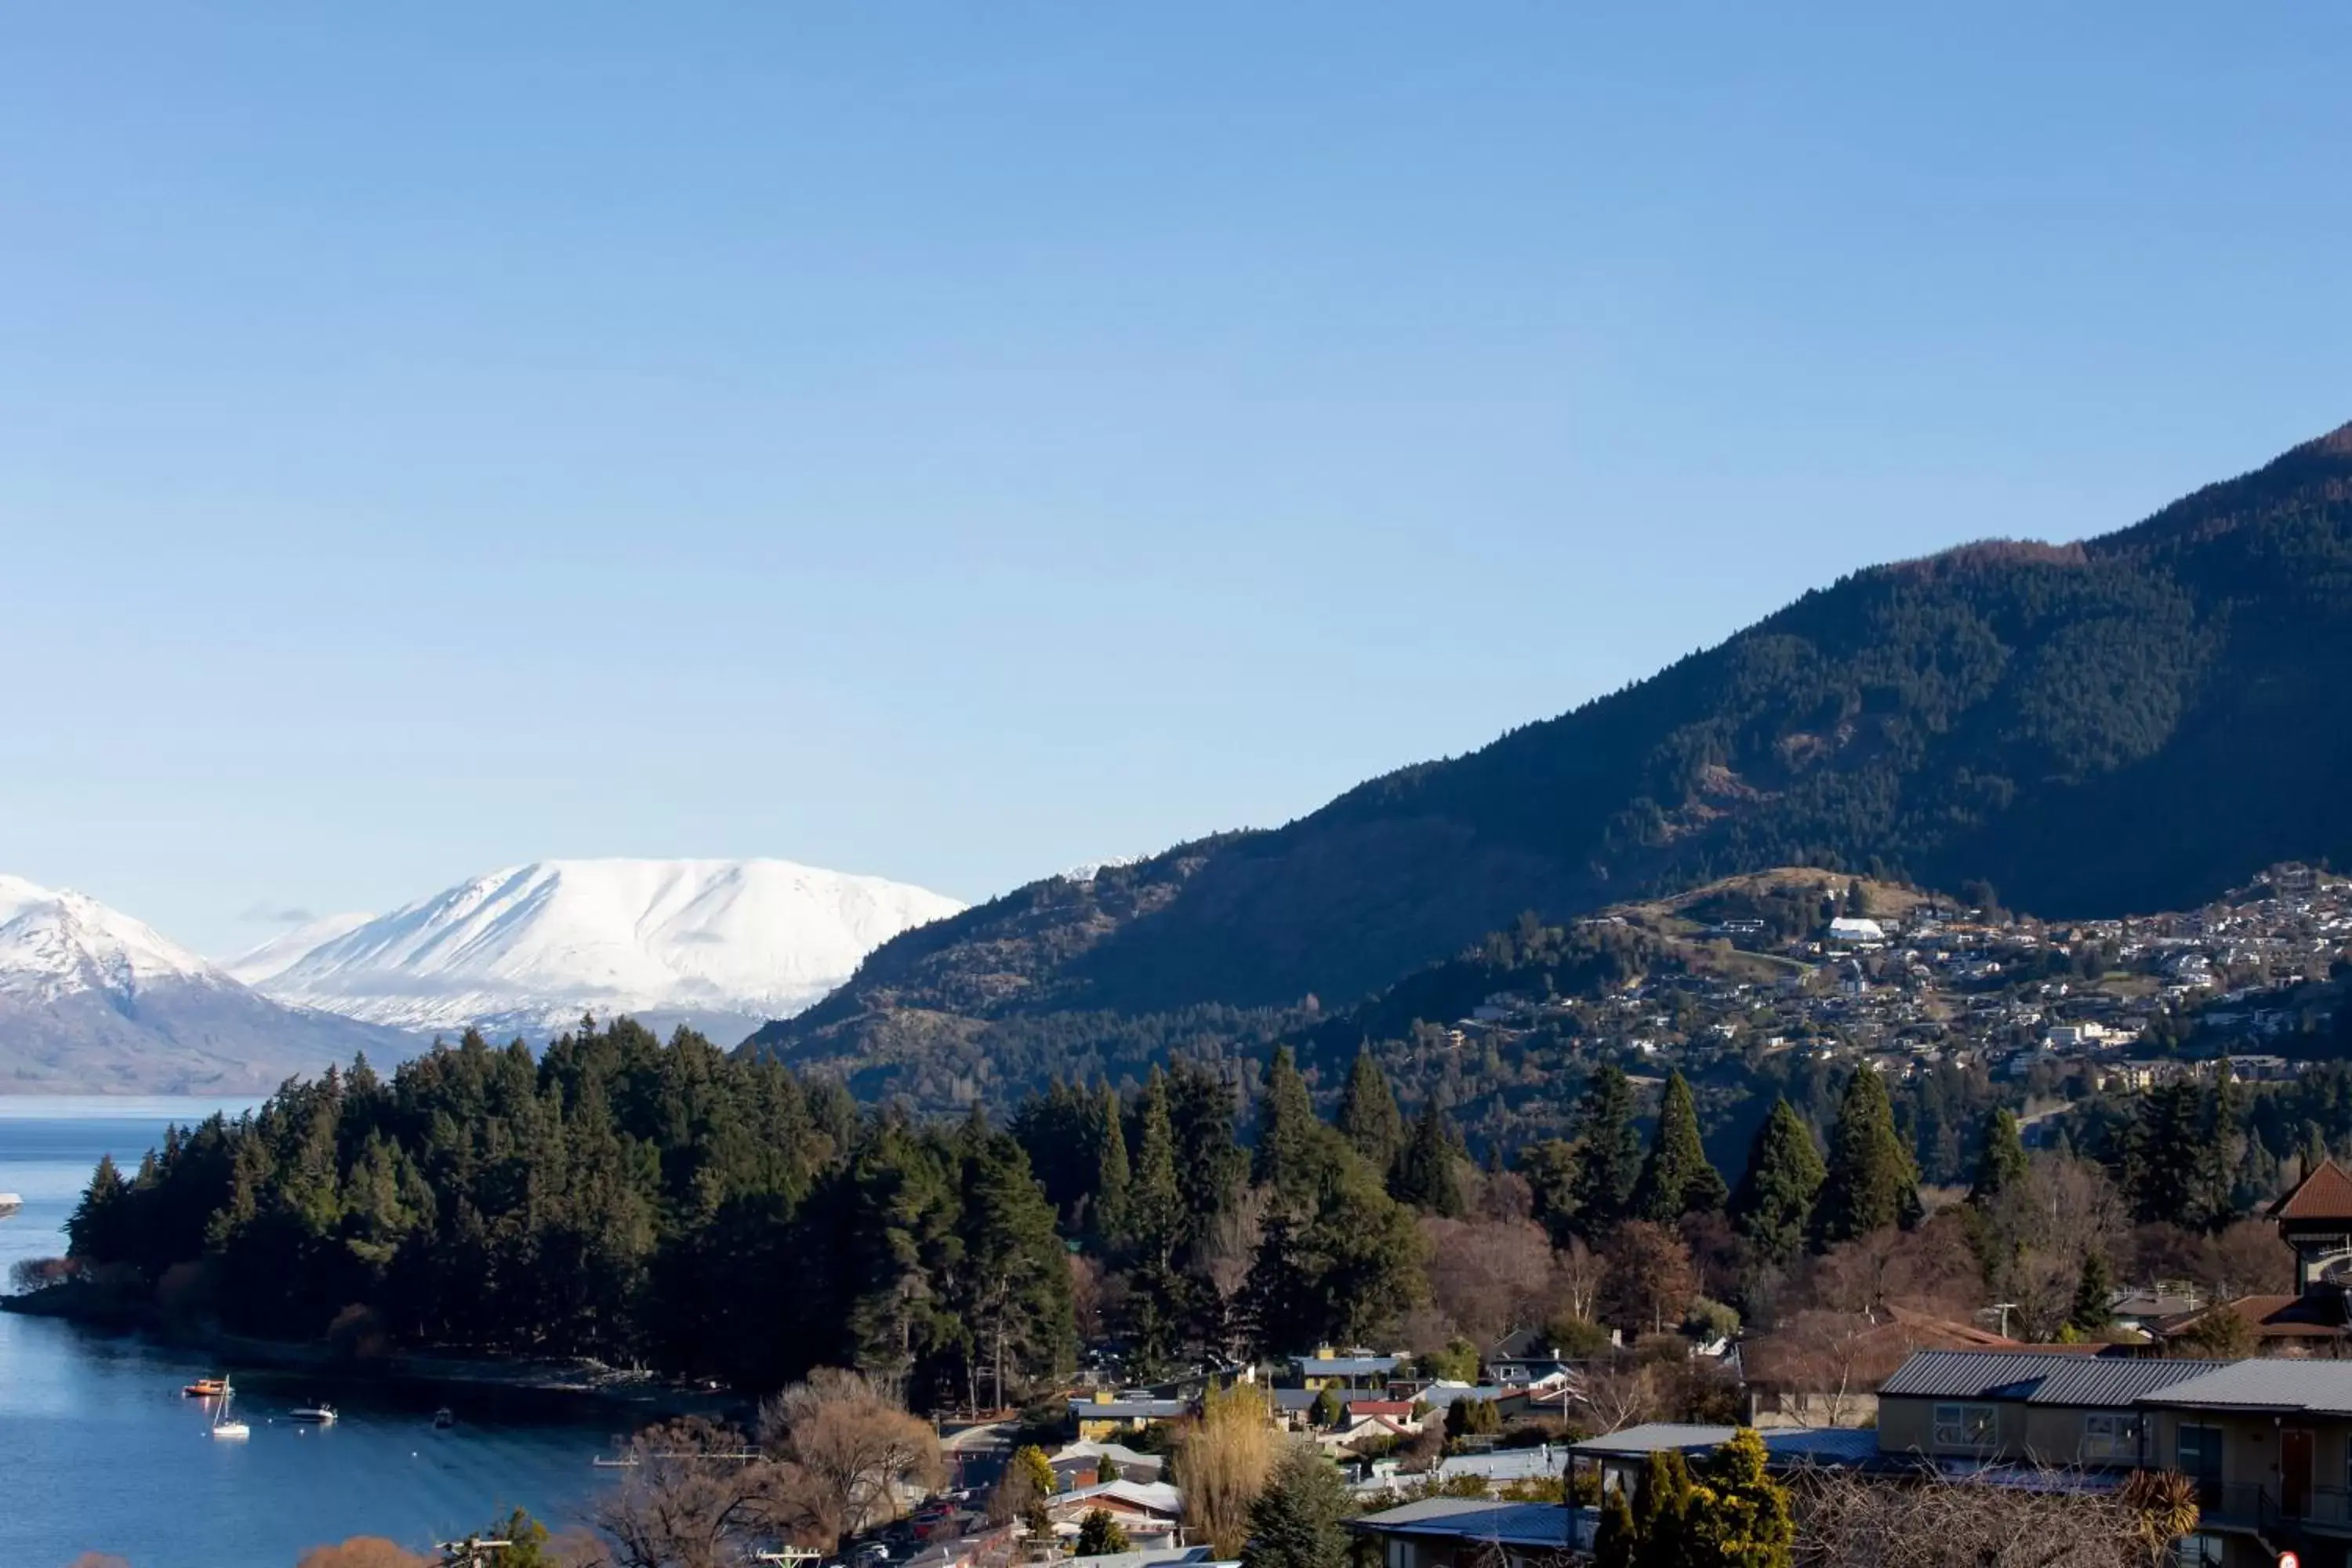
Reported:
(205, 1388)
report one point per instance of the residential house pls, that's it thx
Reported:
(1151, 1513)
(1348, 1373)
(2267, 1441)
(1103, 1416)
(1083, 1464)
(2315, 1221)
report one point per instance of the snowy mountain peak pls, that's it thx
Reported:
(530, 948)
(92, 999)
(55, 942)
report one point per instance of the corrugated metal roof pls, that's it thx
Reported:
(1347, 1365)
(1788, 1445)
(2037, 1377)
(1656, 1436)
(1469, 1519)
(2324, 1387)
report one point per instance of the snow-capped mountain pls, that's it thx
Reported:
(720, 944)
(276, 956)
(92, 999)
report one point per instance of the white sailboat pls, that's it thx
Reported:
(225, 1425)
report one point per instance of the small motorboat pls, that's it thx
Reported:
(226, 1425)
(9, 1204)
(444, 1418)
(205, 1388)
(317, 1415)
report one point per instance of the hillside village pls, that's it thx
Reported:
(1842, 969)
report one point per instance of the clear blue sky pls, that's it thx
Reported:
(954, 441)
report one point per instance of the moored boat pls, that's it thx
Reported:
(9, 1204)
(205, 1388)
(226, 1425)
(320, 1414)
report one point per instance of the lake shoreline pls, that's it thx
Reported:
(578, 1386)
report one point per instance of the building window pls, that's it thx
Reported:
(1964, 1426)
(2111, 1435)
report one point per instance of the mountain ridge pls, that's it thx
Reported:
(2137, 720)
(92, 999)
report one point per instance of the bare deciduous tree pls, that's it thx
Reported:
(693, 1496)
(844, 1450)
(1846, 1521)
(1620, 1392)
(1576, 1274)
(1489, 1276)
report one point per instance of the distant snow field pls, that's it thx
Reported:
(531, 948)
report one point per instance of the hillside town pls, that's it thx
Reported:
(1906, 981)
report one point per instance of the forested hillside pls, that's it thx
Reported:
(2130, 723)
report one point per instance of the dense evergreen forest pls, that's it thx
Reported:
(2131, 723)
(670, 1206)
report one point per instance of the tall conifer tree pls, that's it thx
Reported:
(2000, 1163)
(1426, 1176)
(1155, 1208)
(1871, 1182)
(1676, 1179)
(1774, 1204)
(1286, 1129)
(1369, 1118)
(1609, 1151)
(1111, 1174)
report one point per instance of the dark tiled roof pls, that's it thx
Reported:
(2326, 1193)
(2036, 1377)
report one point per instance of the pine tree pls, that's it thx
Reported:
(1296, 1521)
(1549, 1170)
(1872, 1182)
(1369, 1118)
(1016, 1272)
(2001, 1163)
(94, 1230)
(2164, 1156)
(1774, 1204)
(1287, 1128)
(1609, 1151)
(2222, 1150)
(1211, 1168)
(1111, 1175)
(1425, 1175)
(1155, 1209)
(2093, 1311)
(1676, 1179)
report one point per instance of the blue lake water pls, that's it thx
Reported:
(105, 1455)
